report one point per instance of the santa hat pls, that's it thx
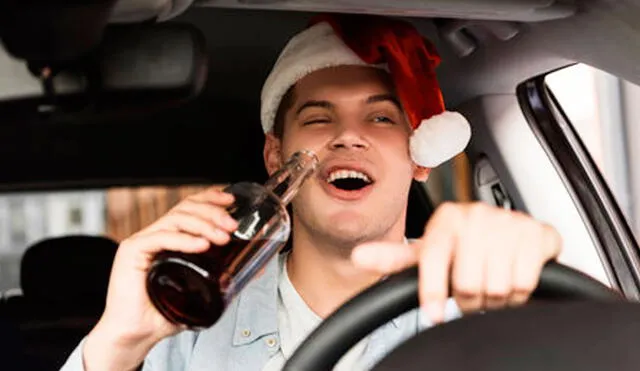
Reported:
(380, 42)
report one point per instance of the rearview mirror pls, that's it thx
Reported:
(135, 68)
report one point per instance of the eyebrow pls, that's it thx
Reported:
(385, 98)
(315, 103)
(371, 100)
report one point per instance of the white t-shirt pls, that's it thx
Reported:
(296, 321)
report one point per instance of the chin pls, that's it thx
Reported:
(349, 219)
(348, 229)
(345, 225)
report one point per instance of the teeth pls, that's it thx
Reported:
(344, 174)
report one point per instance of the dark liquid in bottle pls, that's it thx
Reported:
(194, 289)
(190, 288)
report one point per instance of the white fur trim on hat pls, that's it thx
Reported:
(439, 138)
(313, 49)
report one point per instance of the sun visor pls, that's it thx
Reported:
(497, 10)
(135, 68)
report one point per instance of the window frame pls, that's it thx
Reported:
(588, 189)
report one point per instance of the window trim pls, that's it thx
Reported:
(594, 201)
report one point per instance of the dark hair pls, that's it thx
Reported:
(285, 104)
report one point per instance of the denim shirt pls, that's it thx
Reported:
(246, 335)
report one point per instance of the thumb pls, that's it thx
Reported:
(384, 257)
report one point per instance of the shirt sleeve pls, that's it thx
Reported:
(169, 354)
(451, 312)
(75, 361)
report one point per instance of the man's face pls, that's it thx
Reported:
(351, 118)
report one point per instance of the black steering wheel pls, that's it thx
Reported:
(524, 338)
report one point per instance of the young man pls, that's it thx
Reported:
(360, 92)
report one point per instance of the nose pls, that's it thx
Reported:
(348, 138)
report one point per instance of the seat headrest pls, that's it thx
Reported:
(68, 269)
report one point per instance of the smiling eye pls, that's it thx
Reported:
(316, 121)
(383, 119)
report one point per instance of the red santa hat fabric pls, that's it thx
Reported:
(379, 42)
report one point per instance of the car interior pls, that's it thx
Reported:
(115, 93)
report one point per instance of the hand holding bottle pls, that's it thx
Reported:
(195, 289)
(130, 324)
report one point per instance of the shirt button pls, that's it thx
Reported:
(246, 332)
(271, 342)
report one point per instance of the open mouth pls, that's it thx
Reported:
(349, 180)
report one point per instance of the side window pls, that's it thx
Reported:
(603, 110)
(129, 209)
(26, 218)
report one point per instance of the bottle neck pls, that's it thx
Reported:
(286, 182)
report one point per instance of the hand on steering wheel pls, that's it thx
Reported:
(483, 257)
(399, 294)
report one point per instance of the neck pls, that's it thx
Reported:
(324, 277)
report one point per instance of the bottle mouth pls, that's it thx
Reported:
(306, 158)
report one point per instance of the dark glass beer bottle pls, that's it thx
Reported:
(194, 289)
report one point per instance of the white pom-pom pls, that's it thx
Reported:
(439, 138)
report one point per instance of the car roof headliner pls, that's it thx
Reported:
(602, 33)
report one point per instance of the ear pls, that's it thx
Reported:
(272, 153)
(421, 173)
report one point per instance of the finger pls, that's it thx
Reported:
(527, 268)
(470, 261)
(552, 240)
(499, 276)
(213, 213)
(436, 253)
(167, 240)
(469, 277)
(384, 257)
(198, 227)
(214, 195)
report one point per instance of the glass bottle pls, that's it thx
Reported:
(194, 289)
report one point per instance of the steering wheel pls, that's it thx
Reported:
(524, 338)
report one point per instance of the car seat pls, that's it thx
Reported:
(419, 210)
(64, 284)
